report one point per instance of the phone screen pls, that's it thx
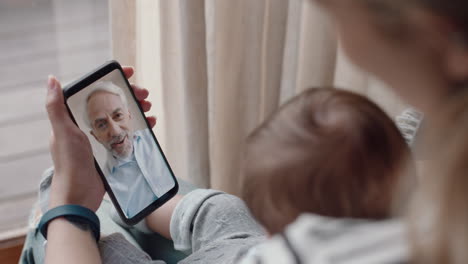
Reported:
(129, 157)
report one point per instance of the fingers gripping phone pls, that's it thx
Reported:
(127, 155)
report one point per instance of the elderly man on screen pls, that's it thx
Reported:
(135, 169)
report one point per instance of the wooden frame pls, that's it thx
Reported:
(11, 245)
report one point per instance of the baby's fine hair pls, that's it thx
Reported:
(328, 152)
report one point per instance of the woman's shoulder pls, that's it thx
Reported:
(315, 239)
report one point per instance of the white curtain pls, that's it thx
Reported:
(217, 68)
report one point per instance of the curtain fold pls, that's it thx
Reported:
(185, 86)
(224, 66)
(245, 43)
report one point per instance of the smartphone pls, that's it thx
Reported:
(127, 155)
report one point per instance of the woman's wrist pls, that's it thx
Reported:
(65, 195)
(81, 217)
(66, 241)
(56, 202)
(63, 221)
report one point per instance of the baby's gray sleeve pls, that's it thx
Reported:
(212, 225)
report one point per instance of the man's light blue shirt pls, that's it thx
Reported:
(140, 179)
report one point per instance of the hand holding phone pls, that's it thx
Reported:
(75, 180)
(128, 157)
(73, 160)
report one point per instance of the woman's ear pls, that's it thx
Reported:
(457, 57)
(446, 39)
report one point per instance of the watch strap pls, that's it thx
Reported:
(70, 212)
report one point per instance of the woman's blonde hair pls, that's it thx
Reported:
(391, 15)
(439, 209)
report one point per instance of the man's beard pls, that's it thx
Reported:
(125, 153)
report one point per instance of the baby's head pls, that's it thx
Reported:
(328, 152)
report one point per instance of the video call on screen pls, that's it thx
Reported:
(123, 145)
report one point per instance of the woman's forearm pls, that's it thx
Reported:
(160, 220)
(68, 243)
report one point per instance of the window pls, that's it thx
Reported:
(38, 38)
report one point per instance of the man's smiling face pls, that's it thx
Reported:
(111, 123)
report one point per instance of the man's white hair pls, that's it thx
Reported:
(108, 87)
